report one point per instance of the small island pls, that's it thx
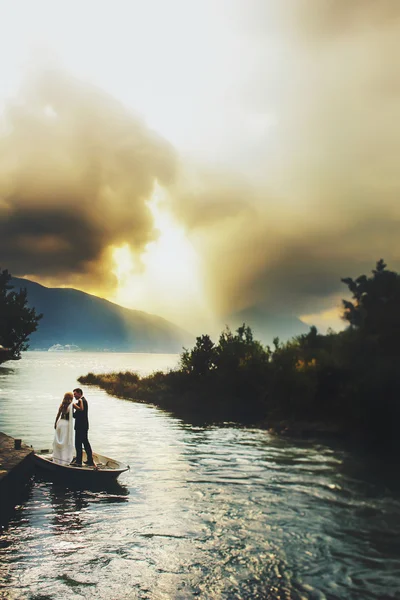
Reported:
(342, 383)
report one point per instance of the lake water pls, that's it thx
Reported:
(204, 512)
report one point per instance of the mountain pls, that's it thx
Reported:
(74, 318)
(267, 325)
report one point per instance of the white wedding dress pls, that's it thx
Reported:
(63, 443)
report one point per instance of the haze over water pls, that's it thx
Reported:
(208, 512)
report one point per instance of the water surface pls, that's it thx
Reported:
(204, 512)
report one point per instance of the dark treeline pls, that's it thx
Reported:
(347, 381)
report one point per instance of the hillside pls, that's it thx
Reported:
(76, 318)
(267, 325)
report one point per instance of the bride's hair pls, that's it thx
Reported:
(68, 397)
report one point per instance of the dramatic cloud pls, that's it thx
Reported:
(76, 171)
(296, 183)
(326, 203)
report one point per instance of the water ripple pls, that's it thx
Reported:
(204, 512)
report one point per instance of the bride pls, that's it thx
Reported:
(63, 444)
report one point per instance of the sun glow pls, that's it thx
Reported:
(166, 279)
(150, 55)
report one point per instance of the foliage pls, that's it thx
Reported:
(17, 320)
(239, 351)
(201, 359)
(375, 309)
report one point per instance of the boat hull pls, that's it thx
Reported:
(107, 469)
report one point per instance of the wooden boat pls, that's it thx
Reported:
(107, 469)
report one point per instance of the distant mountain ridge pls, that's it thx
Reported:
(268, 325)
(72, 317)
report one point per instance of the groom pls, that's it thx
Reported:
(81, 430)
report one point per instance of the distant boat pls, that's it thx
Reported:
(66, 348)
(107, 469)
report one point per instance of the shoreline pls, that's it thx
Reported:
(186, 409)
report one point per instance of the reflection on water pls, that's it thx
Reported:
(204, 512)
(69, 503)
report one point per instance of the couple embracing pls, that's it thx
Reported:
(71, 412)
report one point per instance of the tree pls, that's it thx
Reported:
(201, 359)
(239, 350)
(375, 309)
(17, 320)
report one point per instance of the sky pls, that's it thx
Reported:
(201, 159)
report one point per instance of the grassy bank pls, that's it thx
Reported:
(204, 402)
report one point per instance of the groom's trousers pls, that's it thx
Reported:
(81, 439)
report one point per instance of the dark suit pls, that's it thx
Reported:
(81, 433)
